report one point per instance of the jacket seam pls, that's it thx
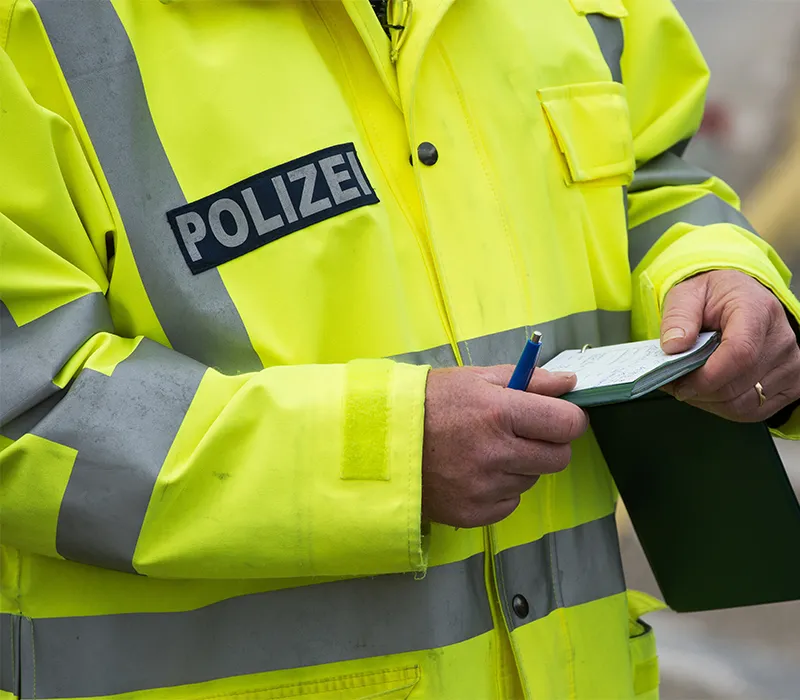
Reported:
(4, 39)
(395, 95)
(410, 514)
(431, 270)
(489, 174)
(328, 679)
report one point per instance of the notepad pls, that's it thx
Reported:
(617, 373)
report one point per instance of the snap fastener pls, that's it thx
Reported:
(427, 153)
(520, 606)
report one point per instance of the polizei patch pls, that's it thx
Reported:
(270, 205)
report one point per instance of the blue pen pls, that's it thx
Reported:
(527, 363)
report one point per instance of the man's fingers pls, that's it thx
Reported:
(499, 511)
(739, 355)
(683, 315)
(542, 381)
(552, 383)
(499, 375)
(778, 363)
(544, 418)
(530, 458)
(779, 388)
(513, 485)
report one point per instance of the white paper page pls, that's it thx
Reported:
(616, 364)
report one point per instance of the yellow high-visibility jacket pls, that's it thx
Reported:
(235, 236)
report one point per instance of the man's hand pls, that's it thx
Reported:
(485, 444)
(758, 345)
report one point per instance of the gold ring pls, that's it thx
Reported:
(760, 391)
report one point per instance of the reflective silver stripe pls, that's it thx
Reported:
(562, 569)
(32, 354)
(95, 54)
(667, 170)
(26, 422)
(611, 38)
(440, 356)
(9, 653)
(705, 211)
(609, 34)
(122, 427)
(296, 627)
(597, 327)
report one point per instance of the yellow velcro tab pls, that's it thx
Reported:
(609, 8)
(366, 424)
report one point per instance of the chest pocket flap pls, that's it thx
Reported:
(591, 126)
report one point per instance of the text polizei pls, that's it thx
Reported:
(270, 205)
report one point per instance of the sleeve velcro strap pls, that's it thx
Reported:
(366, 420)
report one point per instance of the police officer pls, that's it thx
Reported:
(265, 266)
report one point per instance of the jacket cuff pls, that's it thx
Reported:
(381, 461)
(298, 471)
(691, 250)
(786, 428)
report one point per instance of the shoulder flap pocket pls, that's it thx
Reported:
(591, 126)
(609, 8)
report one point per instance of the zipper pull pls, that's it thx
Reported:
(398, 19)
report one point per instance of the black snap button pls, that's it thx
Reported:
(520, 606)
(427, 153)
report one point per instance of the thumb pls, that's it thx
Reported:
(683, 315)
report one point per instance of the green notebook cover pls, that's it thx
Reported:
(709, 499)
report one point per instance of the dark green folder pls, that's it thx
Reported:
(709, 499)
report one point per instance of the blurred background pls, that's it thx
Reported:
(751, 138)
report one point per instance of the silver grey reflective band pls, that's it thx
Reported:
(611, 38)
(26, 422)
(609, 34)
(289, 628)
(562, 569)
(596, 328)
(440, 356)
(31, 355)
(122, 427)
(95, 54)
(667, 170)
(9, 653)
(705, 211)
